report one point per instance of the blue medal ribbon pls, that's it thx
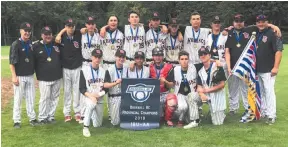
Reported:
(209, 71)
(259, 37)
(118, 76)
(89, 41)
(25, 46)
(184, 79)
(195, 39)
(173, 43)
(141, 72)
(215, 40)
(113, 40)
(94, 80)
(238, 38)
(48, 50)
(158, 71)
(155, 39)
(136, 36)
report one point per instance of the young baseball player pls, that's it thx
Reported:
(194, 38)
(159, 70)
(71, 58)
(173, 43)
(155, 36)
(116, 73)
(22, 69)
(210, 86)
(93, 84)
(183, 78)
(112, 40)
(49, 73)
(138, 70)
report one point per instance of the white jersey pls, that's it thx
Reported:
(141, 74)
(99, 77)
(191, 77)
(192, 47)
(95, 44)
(109, 48)
(151, 44)
(220, 45)
(132, 43)
(172, 53)
(218, 100)
(114, 76)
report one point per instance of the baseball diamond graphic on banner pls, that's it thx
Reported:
(140, 104)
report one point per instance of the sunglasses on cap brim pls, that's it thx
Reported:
(203, 53)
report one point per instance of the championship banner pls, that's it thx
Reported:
(140, 104)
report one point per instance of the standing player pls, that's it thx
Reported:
(183, 77)
(93, 80)
(116, 73)
(138, 69)
(22, 70)
(49, 73)
(269, 56)
(194, 38)
(112, 40)
(155, 36)
(210, 85)
(173, 43)
(159, 70)
(71, 58)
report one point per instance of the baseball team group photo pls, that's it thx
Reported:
(133, 73)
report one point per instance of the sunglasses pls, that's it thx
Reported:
(203, 54)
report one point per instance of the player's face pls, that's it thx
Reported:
(96, 60)
(120, 60)
(47, 37)
(25, 33)
(238, 24)
(155, 23)
(90, 27)
(139, 61)
(113, 22)
(216, 26)
(158, 59)
(133, 19)
(70, 29)
(204, 57)
(195, 20)
(261, 24)
(173, 28)
(184, 61)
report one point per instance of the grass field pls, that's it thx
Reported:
(231, 133)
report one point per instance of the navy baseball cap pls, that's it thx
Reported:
(46, 30)
(216, 19)
(90, 20)
(173, 21)
(261, 17)
(157, 52)
(120, 53)
(155, 16)
(139, 54)
(203, 51)
(239, 17)
(97, 53)
(69, 22)
(26, 26)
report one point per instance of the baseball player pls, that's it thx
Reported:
(159, 70)
(194, 38)
(155, 36)
(93, 82)
(210, 85)
(138, 70)
(71, 58)
(49, 73)
(173, 43)
(183, 77)
(22, 69)
(112, 40)
(116, 73)
(134, 36)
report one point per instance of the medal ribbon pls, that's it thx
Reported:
(141, 72)
(25, 46)
(173, 43)
(155, 39)
(184, 79)
(209, 71)
(93, 74)
(259, 38)
(136, 36)
(118, 76)
(48, 50)
(238, 38)
(215, 40)
(195, 39)
(113, 40)
(89, 41)
(158, 71)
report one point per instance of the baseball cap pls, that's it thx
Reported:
(46, 30)
(139, 54)
(173, 21)
(239, 17)
(69, 22)
(25, 26)
(157, 52)
(155, 15)
(120, 53)
(261, 17)
(203, 51)
(97, 53)
(90, 20)
(216, 19)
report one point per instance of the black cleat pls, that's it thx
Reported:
(17, 125)
(34, 123)
(43, 122)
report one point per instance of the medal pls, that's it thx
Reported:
(185, 89)
(135, 44)
(94, 86)
(112, 47)
(172, 45)
(214, 50)
(113, 39)
(195, 46)
(155, 39)
(195, 39)
(49, 59)
(238, 45)
(215, 42)
(259, 38)
(26, 59)
(23, 49)
(89, 41)
(136, 35)
(185, 82)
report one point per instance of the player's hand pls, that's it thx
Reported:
(274, 72)
(229, 71)
(132, 66)
(224, 33)
(83, 30)
(230, 28)
(103, 31)
(180, 36)
(15, 80)
(203, 97)
(277, 31)
(218, 63)
(58, 39)
(164, 29)
(118, 81)
(162, 80)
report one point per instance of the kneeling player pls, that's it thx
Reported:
(137, 69)
(211, 83)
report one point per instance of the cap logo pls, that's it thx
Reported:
(90, 18)
(47, 28)
(28, 25)
(121, 51)
(155, 14)
(216, 17)
(173, 20)
(98, 51)
(70, 20)
(139, 53)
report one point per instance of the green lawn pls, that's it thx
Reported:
(231, 133)
(5, 50)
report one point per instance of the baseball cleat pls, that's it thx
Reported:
(170, 123)
(81, 120)
(270, 121)
(42, 122)
(17, 125)
(34, 123)
(68, 118)
(77, 118)
(86, 132)
(193, 124)
(231, 113)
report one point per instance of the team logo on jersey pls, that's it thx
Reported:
(246, 35)
(140, 92)
(264, 39)
(76, 44)
(56, 49)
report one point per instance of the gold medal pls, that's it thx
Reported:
(135, 44)
(195, 45)
(214, 50)
(112, 47)
(238, 45)
(185, 89)
(26, 59)
(49, 59)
